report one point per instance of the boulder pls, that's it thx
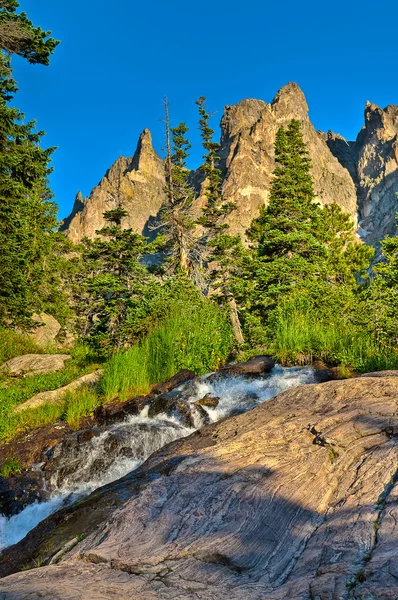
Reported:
(381, 374)
(175, 381)
(18, 491)
(47, 330)
(172, 404)
(258, 365)
(295, 499)
(57, 395)
(114, 412)
(32, 364)
(209, 401)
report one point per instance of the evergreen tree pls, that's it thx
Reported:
(287, 250)
(222, 248)
(19, 36)
(216, 209)
(182, 249)
(381, 306)
(110, 284)
(298, 247)
(27, 214)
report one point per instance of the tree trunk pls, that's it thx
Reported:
(236, 326)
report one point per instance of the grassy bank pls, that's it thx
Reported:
(14, 344)
(197, 338)
(15, 391)
(302, 337)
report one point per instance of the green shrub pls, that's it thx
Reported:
(10, 467)
(14, 344)
(78, 405)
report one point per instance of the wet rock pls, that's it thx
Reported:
(322, 373)
(112, 413)
(32, 364)
(165, 403)
(19, 490)
(209, 401)
(87, 457)
(250, 499)
(258, 365)
(30, 448)
(172, 404)
(200, 417)
(177, 380)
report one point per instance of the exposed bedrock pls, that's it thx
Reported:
(297, 498)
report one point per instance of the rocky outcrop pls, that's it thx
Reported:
(32, 364)
(53, 396)
(373, 163)
(137, 184)
(295, 499)
(248, 132)
(47, 330)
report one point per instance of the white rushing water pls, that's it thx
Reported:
(123, 447)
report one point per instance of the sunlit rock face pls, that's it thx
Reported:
(372, 161)
(248, 131)
(361, 176)
(137, 184)
(295, 499)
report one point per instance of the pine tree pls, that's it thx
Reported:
(222, 248)
(110, 284)
(287, 250)
(216, 209)
(19, 36)
(27, 214)
(182, 249)
(381, 305)
(298, 248)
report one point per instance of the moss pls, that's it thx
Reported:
(11, 466)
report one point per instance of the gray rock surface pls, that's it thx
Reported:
(373, 163)
(57, 395)
(296, 499)
(248, 131)
(136, 183)
(47, 330)
(31, 364)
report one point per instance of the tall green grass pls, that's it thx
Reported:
(15, 391)
(14, 344)
(302, 336)
(198, 338)
(72, 408)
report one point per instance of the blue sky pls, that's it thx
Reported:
(118, 60)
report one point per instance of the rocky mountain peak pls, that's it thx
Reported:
(290, 102)
(145, 159)
(240, 116)
(137, 184)
(247, 152)
(361, 176)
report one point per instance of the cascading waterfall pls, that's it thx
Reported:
(119, 449)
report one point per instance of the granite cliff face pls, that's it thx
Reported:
(361, 176)
(135, 183)
(247, 150)
(296, 499)
(372, 161)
